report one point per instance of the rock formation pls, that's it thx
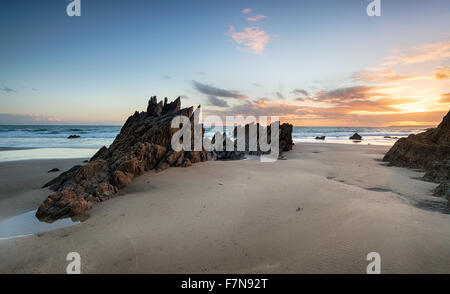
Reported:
(285, 138)
(144, 143)
(286, 142)
(355, 136)
(73, 137)
(429, 151)
(225, 154)
(320, 138)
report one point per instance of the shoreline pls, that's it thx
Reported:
(16, 148)
(21, 182)
(320, 211)
(49, 153)
(45, 154)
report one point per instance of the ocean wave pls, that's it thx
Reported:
(98, 136)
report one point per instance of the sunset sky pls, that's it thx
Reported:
(312, 63)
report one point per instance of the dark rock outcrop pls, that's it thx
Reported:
(320, 138)
(53, 170)
(144, 143)
(285, 137)
(73, 137)
(428, 151)
(355, 136)
(225, 154)
(286, 142)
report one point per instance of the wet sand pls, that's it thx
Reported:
(321, 211)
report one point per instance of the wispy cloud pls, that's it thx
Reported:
(386, 76)
(252, 38)
(347, 94)
(423, 53)
(445, 98)
(442, 73)
(280, 95)
(7, 90)
(383, 112)
(8, 118)
(256, 17)
(300, 92)
(246, 10)
(166, 77)
(214, 101)
(389, 76)
(218, 92)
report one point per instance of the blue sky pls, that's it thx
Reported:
(103, 65)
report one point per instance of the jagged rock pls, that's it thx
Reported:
(320, 138)
(286, 142)
(73, 137)
(285, 137)
(428, 151)
(225, 154)
(443, 190)
(53, 170)
(355, 136)
(144, 143)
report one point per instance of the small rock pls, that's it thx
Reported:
(53, 170)
(320, 138)
(355, 136)
(73, 137)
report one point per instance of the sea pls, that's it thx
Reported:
(51, 142)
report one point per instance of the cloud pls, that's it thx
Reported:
(442, 73)
(7, 118)
(445, 98)
(424, 53)
(382, 76)
(166, 77)
(252, 38)
(7, 90)
(375, 113)
(213, 100)
(280, 96)
(256, 17)
(347, 94)
(213, 91)
(300, 92)
(246, 10)
(389, 76)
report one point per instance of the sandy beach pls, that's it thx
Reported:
(320, 211)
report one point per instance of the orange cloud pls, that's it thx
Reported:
(442, 73)
(445, 98)
(256, 17)
(252, 38)
(382, 115)
(421, 54)
(386, 76)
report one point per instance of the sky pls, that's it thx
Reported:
(312, 63)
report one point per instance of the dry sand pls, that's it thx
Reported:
(321, 211)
